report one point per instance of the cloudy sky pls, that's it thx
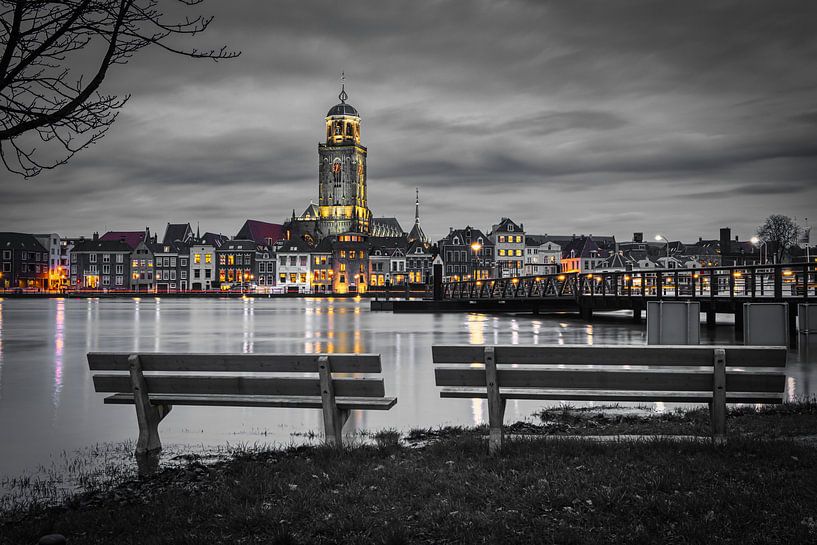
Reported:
(570, 117)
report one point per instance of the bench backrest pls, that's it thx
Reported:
(626, 368)
(112, 373)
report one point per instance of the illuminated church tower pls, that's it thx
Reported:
(342, 199)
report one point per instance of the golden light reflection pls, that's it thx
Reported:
(59, 348)
(476, 328)
(1, 344)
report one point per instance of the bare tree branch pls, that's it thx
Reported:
(46, 97)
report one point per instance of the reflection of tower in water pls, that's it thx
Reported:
(1, 348)
(59, 348)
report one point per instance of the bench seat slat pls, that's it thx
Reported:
(304, 402)
(610, 379)
(193, 384)
(691, 356)
(598, 395)
(236, 363)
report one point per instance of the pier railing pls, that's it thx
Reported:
(750, 282)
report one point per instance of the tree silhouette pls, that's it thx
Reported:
(45, 94)
(780, 232)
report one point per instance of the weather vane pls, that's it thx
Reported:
(343, 96)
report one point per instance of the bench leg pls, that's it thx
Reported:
(717, 408)
(333, 421)
(495, 432)
(496, 405)
(148, 417)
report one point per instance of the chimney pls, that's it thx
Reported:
(450, 230)
(736, 238)
(700, 240)
(638, 237)
(726, 246)
(96, 235)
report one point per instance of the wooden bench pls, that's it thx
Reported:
(146, 380)
(715, 375)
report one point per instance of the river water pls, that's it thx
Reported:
(48, 404)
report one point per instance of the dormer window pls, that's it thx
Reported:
(510, 228)
(456, 240)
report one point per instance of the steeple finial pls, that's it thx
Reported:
(343, 96)
(417, 207)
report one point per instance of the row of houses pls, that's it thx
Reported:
(266, 257)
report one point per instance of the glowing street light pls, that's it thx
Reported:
(759, 241)
(660, 237)
(475, 247)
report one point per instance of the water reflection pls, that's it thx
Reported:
(59, 347)
(1, 348)
(476, 328)
(46, 382)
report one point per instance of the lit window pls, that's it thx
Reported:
(208, 258)
(197, 259)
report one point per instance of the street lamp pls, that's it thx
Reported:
(662, 237)
(475, 247)
(756, 241)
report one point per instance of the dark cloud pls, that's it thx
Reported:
(579, 116)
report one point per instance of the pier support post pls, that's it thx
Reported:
(637, 315)
(586, 313)
(793, 325)
(738, 322)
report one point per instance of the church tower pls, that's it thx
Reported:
(342, 195)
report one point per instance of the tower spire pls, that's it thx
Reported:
(417, 207)
(343, 96)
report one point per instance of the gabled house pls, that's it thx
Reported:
(466, 254)
(509, 248)
(582, 255)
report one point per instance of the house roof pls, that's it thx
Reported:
(424, 246)
(239, 244)
(178, 231)
(214, 239)
(388, 242)
(20, 241)
(99, 245)
(506, 225)
(131, 238)
(465, 234)
(261, 232)
(295, 246)
(385, 227)
(607, 242)
(173, 247)
(417, 233)
(583, 247)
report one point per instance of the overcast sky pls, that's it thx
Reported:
(570, 117)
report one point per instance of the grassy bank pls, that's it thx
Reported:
(451, 491)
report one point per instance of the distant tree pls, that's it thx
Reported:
(55, 56)
(780, 233)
